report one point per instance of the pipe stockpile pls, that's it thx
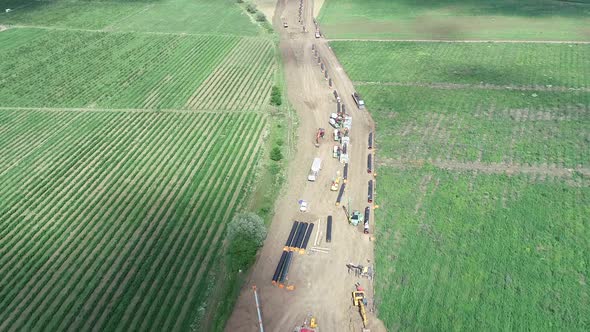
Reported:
(370, 140)
(329, 230)
(279, 269)
(340, 193)
(291, 235)
(300, 235)
(345, 173)
(285, 269)
(370, 193)
(306, 239)
(369, 163)
(367, 215)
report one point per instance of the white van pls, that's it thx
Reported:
(315, 169)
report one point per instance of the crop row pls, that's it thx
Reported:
(562, 65)
(242, 81)
(112, 212)
(127, 70)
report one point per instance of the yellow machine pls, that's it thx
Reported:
(358, 298)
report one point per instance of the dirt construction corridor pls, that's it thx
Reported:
(322, 285)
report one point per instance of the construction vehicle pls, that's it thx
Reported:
(336, 135)
(315, 169)
(336, 151)
(360, 300)
(317, 34)
(360, 103)
(310, 324)
(355, 218)
(335, 182)
(319, 134)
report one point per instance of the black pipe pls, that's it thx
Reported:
(279, 268)
(367, 214)
(329, 230)
(340, 193)
(285, 269)
(370, 140)
(301, 236)
(343, 109)
(296, 236)
(370, 194)
(345, 173)
(369, 163)
(337, 107)
(291, 234)
(307, 236)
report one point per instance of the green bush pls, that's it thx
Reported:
(260, 17)
(275, 96)
(276, 154)
(245, 234)
(251, 8)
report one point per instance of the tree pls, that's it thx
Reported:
(275, 96)
(245, 234)
(276, 154)
(260, 17)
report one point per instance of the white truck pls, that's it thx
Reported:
(316, 166)
(360, 103)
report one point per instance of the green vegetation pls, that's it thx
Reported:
(131, 134)
(245, 234)
(483, 156)
(560, 65)
(203, 16)
(275, 96)
(460, 19)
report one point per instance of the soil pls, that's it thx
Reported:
(3, 27)
(322, 286)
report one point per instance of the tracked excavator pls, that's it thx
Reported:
(359, 300)
(319, 134)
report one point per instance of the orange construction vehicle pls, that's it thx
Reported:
(320, 134)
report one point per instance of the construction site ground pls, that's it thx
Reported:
(322, 285)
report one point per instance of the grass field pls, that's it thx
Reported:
(162, 16)
(452, 19)
(483, 162)
(130, 136)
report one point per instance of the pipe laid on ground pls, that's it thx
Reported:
(369, 163)
(279, 268)
(370, 140)
(291, 235)
(367, 214)
(285, 270)
(307, 236)
(329, 230)
(340, 193)
(301, 236)
(370, 193)
(345, 173)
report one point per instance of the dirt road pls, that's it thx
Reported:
(322, 285)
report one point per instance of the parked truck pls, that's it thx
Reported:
(315, 169)
(360, 103)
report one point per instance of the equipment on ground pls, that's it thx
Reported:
(359, 300)
(319, 134)
(310, 324)
(354, 218)
(360, 271)
(314, 171)
(360, 103)
(335, 182)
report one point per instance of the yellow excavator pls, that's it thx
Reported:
(359, 300)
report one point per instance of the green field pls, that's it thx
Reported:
(483, 162)
(456, 19)
(130, 136)
(163, 16)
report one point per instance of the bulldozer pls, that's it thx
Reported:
(359, 300)
(319, 134)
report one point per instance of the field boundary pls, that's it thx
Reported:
(125, 110)
(44, 27)
(486, 86)
(495, 41)
(487, 168)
